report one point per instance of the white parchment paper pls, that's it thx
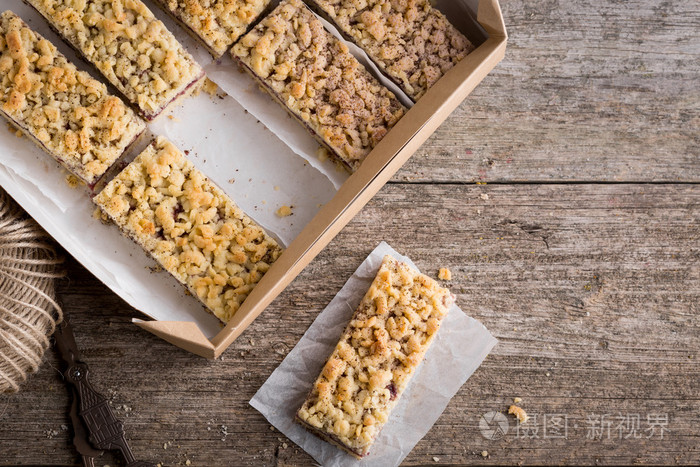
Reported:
(459, 348)
(226, 142)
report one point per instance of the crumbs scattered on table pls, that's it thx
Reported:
(51, 433)
(224, 432)
(284, 211)
(232, 180)
(518, 400)
(445, 274)
(484, 454)
(519, 413)
(484, 196)
(436, 459)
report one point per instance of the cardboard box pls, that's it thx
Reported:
(392, 152)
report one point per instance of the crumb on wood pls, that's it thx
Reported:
(484, 454)
(445, 274)
(436, 459)
(517, 400)
(519, 413)
(484, 196)
(284, 211)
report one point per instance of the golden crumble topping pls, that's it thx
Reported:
(190, 226)
(132, 48)
(217, 23)
(70, 115)
(445, 274)
(519, 413)
(315, 77)
(376, 357)
(409, 40)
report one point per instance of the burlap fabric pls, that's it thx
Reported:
(28, 311)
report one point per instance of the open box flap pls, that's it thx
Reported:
(354, 193)
(491, 18)
(183, 334)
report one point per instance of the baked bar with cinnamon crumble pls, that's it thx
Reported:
(377, 355)
(412, 42)
(314, 76)
(216, 23)
(66, 112)
(190, 227)
(129, 46)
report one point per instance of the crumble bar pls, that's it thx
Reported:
(129, 46)
(412, 42)
(67, 113)
(377, 355)
(216, 23)
(314, 76)
(190, 227)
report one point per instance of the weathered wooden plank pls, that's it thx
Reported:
(592, 290)
(588, 91)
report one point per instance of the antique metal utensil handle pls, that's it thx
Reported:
(105, 429)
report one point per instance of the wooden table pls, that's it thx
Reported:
(564, 196)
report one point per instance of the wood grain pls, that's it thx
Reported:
(588, 91)
(592, 291)
(581, 255)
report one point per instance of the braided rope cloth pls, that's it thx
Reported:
(28, 311)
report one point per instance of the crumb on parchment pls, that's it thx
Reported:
(14, 130)
(519, 413)
(445, 274)
(73, 181)
(210, 87)
(284, 211)
(322, 154)
(101, 216)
